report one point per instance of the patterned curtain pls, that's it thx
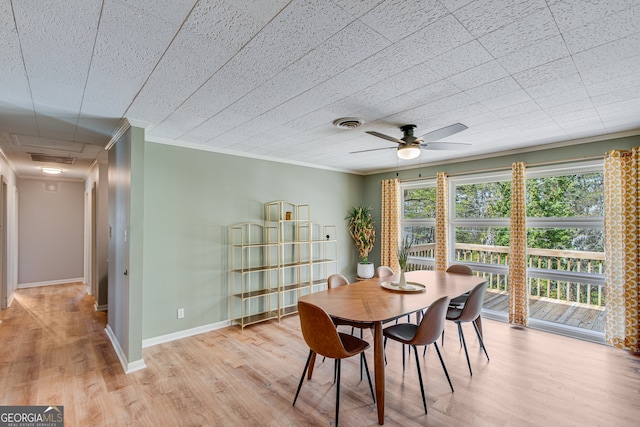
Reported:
(621, 231)
(518, 292)
(390, 228)
(442, 222)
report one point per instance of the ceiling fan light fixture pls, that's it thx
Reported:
(408, 152)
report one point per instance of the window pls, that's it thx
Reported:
(565, 237)
(479, 224)
(418, 222)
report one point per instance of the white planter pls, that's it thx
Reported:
(366, 271)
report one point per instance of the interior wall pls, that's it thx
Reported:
(11, 231)
(125, 280)
(562, 154)
(50, 231)
(192, 197)
(99, 177)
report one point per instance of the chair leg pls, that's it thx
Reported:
(424, 401)
(464, 344)
(384, 349)
(366, 366)
(302, 378)
(481, 340)
(435, 344)
(361, 333)
(336, 362)
(403, 346)
(338, 391)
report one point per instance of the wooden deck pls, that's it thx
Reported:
(551, 310)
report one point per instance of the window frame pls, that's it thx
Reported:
(593, 166)
(426, 222)
(476, 178)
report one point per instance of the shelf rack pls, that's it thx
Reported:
(274, 263)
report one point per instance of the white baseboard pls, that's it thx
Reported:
(50, 282)
(127, 366)
(184, 334)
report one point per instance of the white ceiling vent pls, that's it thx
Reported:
(348, 122)
(37, 157)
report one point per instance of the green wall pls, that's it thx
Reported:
(578, 152)
(191, 197)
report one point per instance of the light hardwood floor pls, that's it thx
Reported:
(54, 351)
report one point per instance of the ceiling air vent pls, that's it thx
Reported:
(37, 157)
(348, 122)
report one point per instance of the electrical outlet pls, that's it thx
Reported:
(180, 313)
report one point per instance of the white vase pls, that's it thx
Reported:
(366, 271)
(403, 280)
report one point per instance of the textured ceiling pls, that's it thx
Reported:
(267, 78)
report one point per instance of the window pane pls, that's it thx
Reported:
(488, 245)
(567, 249)
(578, 239)
(419, 203)
(484, 200)
(487, 236)
(420, 235)
(579, 195)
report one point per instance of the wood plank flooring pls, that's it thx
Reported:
(54, 351)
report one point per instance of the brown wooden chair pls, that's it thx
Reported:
(334, 281)
(427, 332)
(469, 313)
(322, 337)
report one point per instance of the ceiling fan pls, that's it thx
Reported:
(409, 145)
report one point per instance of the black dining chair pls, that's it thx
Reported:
(459, 269)
(427, 332)
(470, 312)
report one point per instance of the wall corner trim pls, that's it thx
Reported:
(127, 366)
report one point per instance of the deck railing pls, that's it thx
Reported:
(547, 269)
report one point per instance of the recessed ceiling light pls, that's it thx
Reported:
(52, 171)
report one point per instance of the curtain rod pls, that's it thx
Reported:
(551, 162)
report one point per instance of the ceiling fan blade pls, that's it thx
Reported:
(373, 149)
(444, 145)
(387, 137)
(443, 132)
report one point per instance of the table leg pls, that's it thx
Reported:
(378, 355)
(312, 363)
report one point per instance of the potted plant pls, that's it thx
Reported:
(403, 257)
(362, 230)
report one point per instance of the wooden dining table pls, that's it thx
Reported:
(368, 301)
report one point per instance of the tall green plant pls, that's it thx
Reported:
(362, 230)
(403, 252)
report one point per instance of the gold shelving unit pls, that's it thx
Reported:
(274, 263)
